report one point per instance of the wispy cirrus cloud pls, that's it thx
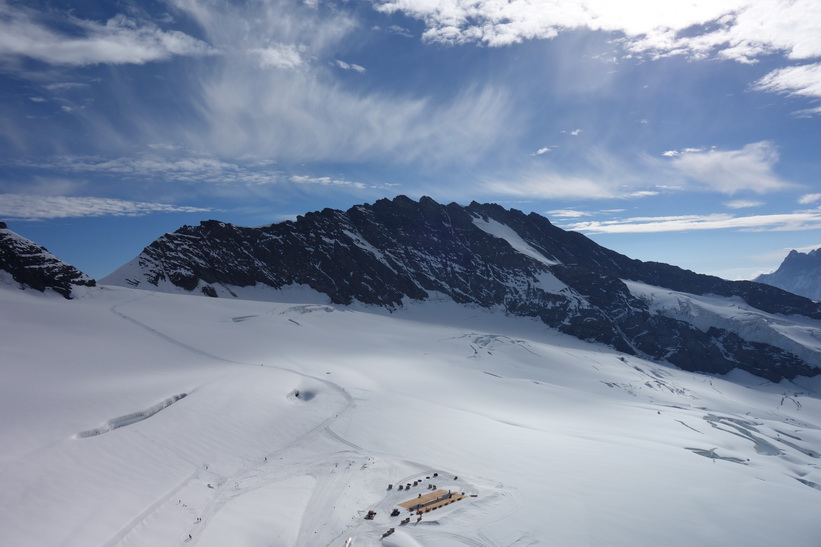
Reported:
(200, 174)
(310, 115)
(349, 66)
(239, 102)
(802, 80)
(400, 31)
(742, 204)
(799, 80)
(331, 181)
(34, 207)
(120, 40)
(279, 56)
(677, 153)
(179, 168)
(598, 174)
(567, 213)
(729, 171)
(798, 220)
(551, 184)
(593, 174)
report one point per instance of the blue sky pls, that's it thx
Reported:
(684, 132)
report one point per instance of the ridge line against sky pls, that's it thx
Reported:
(682, 132)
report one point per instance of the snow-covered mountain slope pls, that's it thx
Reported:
(800, 273)
(137, 418)
(28, 265)
(401, 250)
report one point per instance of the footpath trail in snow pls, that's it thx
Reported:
(329, 484)
(297, 416)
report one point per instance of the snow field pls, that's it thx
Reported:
(297, 417)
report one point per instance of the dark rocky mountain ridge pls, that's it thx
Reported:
(32, 266)
(799, 273)
(481, 254)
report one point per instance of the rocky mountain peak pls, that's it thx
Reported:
(799, 273)
(31, 266)
(399, 250)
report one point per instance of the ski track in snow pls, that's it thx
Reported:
(128, 528)
(223, 495)
(254, 476)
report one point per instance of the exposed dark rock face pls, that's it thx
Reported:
(800, 273)
(481, 254)
(32, 266)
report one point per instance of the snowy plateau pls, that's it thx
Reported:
(141, 418)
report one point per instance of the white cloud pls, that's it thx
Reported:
(33, 207)
(806, 199)
(58, 87)
(808, 112)
(229, 107)
(544, 150)
(597, 174)
(551, 185)
(742, 204)
(221, 177)
(734, 29)
(567, 213)
(150, 167)
(120, 40)
(279, 56)
(575, 132)
(731, 171)
(799, 220)
(400, 31)
(349, 66)
(801, 80)
(304, 118)
(329, 181)
(677, 153)
(310, 116)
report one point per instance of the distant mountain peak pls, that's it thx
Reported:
(799, 273)
(398, 250)
(32, 266)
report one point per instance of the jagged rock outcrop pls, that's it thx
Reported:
(485, 255)
(800, 273)
(32, 266)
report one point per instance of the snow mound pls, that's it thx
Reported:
(130, 419)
